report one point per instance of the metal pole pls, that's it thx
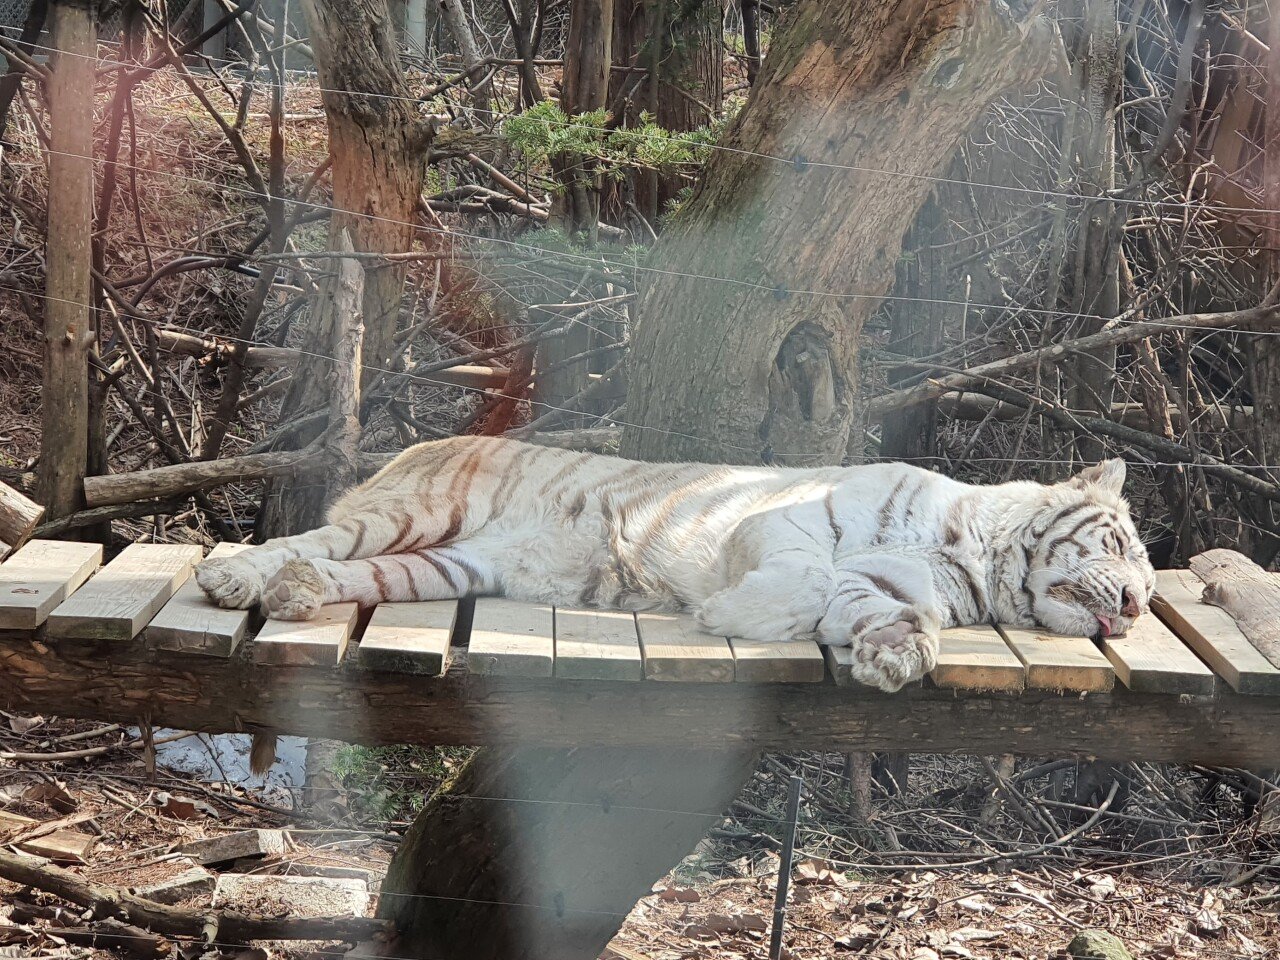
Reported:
(784, 869)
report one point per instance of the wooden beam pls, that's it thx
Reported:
(1247, 592)
(18, 517)
(118, 682)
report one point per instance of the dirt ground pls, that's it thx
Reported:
(718, 903)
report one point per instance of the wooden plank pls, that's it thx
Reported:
(1212, 633)
(977, 658)
(840, 663)
(597, 645)
(1248, 593)
(320, 642)
(64, 844)
(1055, 662)
(126, 593)
(191, 623)
(510, 639)
(795, 661)
(409, 637)
(18, 517)
(675, 649)
(1150, 659)
(39, 577)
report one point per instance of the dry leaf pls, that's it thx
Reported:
(975, 904)
(975, 935)
(51, 794)
(679, 895)
(736, 923)
(183, 808)
(812, 870)
(858, 937)
(21, 725)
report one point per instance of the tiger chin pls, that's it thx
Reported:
(879, 558)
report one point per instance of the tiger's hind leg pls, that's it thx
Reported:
(238, 581)
(886, 610)
(301, 587)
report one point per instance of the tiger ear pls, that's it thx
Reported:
(1109, 475)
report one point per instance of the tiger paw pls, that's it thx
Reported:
(294, 592)
(893, 655)
(230, 582)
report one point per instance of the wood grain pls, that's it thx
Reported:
(510, 639)
(321, 642)
(1247, 592)
(1150, 659)
(977, 658)
(39, 576)
(675, 649)
(1212, 633)
(409, 637)
(797, 661)
(597, 645)
(191, 623)
(124, 596)
(1055, 662)
(18, 517)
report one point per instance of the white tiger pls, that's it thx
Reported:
(878, 557)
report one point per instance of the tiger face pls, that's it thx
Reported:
(1089, 574)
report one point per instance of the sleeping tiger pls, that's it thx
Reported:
(877, 557)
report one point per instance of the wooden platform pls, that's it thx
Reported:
(137, 637)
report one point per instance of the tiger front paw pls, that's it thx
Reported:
(230, 582)
(294, 592)
(893, 655)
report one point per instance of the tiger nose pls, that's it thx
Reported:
(1129, 605)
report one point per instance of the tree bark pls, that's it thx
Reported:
(751, 368)
(68, 322)
(1267, 349)
(378, 143)
(12, 79)
(18, 517)
(455, 19)
(583, 837)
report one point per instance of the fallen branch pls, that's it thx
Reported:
(18, 517)
(184, 478)
(120, 511)
(1255, 318)
(113, 903)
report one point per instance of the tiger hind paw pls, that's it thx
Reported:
(230, 582)
(294, 592)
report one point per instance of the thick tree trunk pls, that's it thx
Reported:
(679, 47)
(750, 367)
(378, 144)
(556, 845)
(1096, 283)
(68, 322)
(1267, 349)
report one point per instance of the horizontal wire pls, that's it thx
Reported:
(798, 163)
(597, 262)
(599, 418)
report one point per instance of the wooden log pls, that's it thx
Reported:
(189, 477)
(126, 594)
(597, 645)
(675, 649)
(120, 681)
(18, 517)
(409, 637)
(1212, 633)
(40, 576)
(1247, 592)
(235, 846)
(977, 658)
(191, 623)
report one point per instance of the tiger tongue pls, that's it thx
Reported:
(1106, 624)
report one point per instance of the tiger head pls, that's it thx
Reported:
(1088, 572)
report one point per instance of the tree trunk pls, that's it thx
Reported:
(1267, 349)
(455, 19)
(12, 79)
(576, 208)
(1096, 286)
(751, 368)
(68, 322)
(532, 854)
(377, 143)
(679, 46)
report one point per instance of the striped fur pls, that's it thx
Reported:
(879, 557)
